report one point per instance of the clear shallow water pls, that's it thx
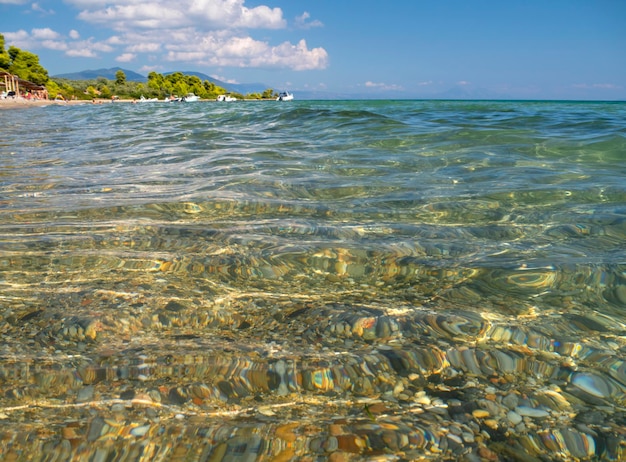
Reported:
(338, 280)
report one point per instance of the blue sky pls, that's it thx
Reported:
(528, 49)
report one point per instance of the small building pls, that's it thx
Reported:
(12, 83)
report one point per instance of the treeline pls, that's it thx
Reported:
(26, 66)
(22, 63)
(157, 86)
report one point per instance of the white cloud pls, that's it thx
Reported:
(148, 69)
(140, 16)
(164, 14)
(301, 21)
(13, 2)
(52, 40)
(603, 86)
(81, 53)
(383, 86)
(39, 9)
(126, 57)
(224, 79)
(44, 34)
(144, 47)
(463, 82)
(87, 48)
(115, 40)
(54, 45)
(201, 32)
(233, 13)
(208, 32)
(212, 50)
(20, 39)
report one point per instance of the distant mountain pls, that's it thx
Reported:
(109, 74)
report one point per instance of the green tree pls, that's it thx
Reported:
(155, 81)
(53, 89)
(105, 92)
(268, 93)
(91, 91)
(26, 65)
(120, 77)
(175, 77)
(5, 59)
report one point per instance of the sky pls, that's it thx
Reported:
(505, 49)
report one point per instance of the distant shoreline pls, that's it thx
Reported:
(13, 103)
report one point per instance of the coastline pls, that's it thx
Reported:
(12, 103)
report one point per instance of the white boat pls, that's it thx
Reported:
(284, 96)
(226, 98)
(190, 98)
(143, 99)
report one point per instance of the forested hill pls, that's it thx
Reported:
(108, 74)
(131, 76)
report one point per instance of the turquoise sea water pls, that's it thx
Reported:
(331, 280)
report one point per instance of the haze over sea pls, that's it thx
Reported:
(338, 280)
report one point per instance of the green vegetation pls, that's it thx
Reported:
(26, 66)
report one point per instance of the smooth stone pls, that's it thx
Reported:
(85, 394)
(140, 431)
(531, 412)
(593, 384)
(511, 401)
(480, 413)
(514, 417)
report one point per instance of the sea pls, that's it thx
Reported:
(313, 280)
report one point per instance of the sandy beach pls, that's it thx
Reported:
(13, 103)
(17, 103)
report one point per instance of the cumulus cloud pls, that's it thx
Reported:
(44, 34)
(81, 53)
(52, 40)
(236, 51)
(147, 15)
(126, 57)
(20, 39)
(162, 14)
(201, 32)
(57, 45)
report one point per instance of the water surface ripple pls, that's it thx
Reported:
(338, 280)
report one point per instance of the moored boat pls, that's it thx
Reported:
(284, 96)
(225, 98)
(190, 98)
